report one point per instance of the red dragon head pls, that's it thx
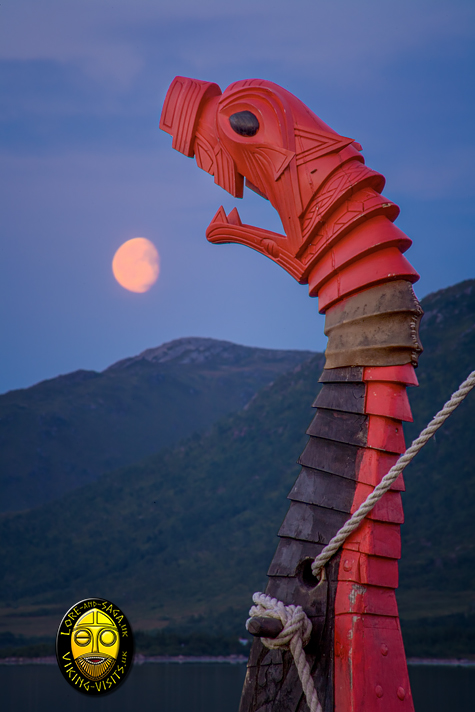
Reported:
(315, 179)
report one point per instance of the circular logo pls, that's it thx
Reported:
(94, 646)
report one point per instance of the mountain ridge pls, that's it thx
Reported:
(64, 432)
(194, 349)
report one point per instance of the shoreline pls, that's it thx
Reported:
(140, 659)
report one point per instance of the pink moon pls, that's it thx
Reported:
(136, 265)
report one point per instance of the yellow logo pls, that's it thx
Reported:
(94, 646)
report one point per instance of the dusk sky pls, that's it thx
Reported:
(84, 166)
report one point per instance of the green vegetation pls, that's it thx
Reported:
(65, 432)
(437, 570)
(177, 534)
(441, 637)
(181, 539)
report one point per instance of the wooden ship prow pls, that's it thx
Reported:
(340, 240)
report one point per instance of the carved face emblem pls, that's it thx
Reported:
(95, 644)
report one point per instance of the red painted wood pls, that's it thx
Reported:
(367, 569)
(376, 538)
(396, 374)
(388, 509)
(371, 236)
(356, 598)
(372, 465)
(385, 434)
(383, 266)
(370, 666)
(315, 179)
(389, 399)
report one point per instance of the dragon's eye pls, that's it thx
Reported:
(244, 123)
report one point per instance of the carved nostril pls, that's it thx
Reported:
(244, 123)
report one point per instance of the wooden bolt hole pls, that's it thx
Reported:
(305, 575)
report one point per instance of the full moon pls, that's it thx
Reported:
(136, 264)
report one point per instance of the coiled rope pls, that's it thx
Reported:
(296, 625)
(294, 637)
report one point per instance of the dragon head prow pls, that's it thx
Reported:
(315, 178)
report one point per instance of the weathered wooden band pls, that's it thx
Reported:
(376, 327)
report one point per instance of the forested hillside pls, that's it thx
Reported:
(65, 432)
(182, 539)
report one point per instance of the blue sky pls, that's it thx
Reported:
(84, 166)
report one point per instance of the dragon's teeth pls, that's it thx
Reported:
(220, 216)
(234, 218)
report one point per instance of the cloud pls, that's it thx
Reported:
(345, 41)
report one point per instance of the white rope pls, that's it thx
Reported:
(294, 636)
(297, 627)
(381, 489)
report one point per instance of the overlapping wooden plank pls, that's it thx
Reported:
(396, 374)
(330, 456)
(348, 397)
(373, 600)
(372, 465)
(387, 399)
(288, 555)
(311, 523)
(368, 570)
(388, 509)
(385, 434)
(348, 374)
(292, 590)
(323, 489)
(376, 538)
(337, 425)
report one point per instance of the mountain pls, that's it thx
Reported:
(183, 538)
(185, 531)
(437, 569)
(65, 432)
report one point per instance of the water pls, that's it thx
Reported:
(198, 687)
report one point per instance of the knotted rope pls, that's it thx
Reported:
(296, 625)
(294, 636)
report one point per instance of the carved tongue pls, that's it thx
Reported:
(229, 228)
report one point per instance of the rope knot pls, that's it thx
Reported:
(294, 637)
(293, 618)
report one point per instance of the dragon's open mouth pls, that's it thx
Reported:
(229, 228)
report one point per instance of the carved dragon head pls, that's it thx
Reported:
(315, 178)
